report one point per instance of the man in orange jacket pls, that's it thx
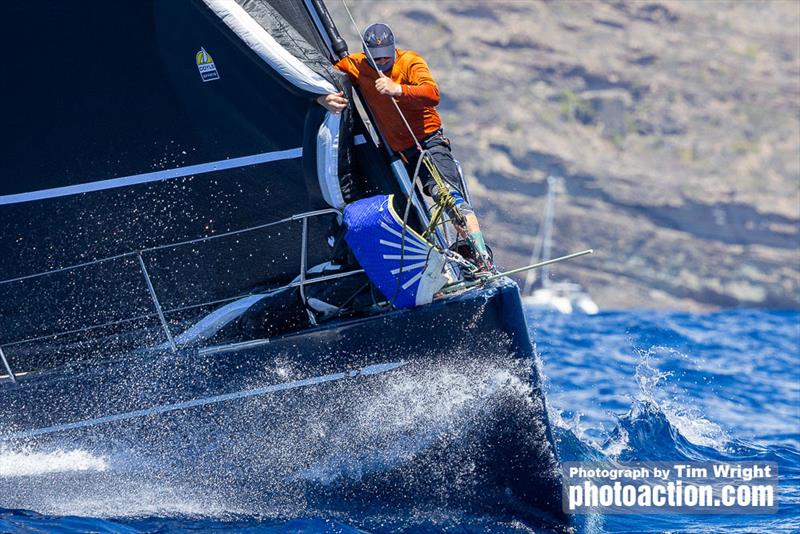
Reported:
(388, 73)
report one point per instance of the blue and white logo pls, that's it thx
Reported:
(403, 265)
(205, 64)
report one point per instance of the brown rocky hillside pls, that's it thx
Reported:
(675, 124)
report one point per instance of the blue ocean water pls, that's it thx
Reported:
(629, 385)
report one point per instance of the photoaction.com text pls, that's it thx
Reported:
(663, 487)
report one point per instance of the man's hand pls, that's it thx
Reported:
(386, 86)
(334, 102)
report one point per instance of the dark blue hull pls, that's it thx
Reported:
(380, 411)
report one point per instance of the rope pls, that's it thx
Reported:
(448, 201)
(380, 73)
(406, 212)
(416, 142)
(445, 201)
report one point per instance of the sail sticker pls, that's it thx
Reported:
(205, 64)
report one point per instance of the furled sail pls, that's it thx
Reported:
(159, 123)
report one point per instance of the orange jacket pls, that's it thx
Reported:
(420, 95)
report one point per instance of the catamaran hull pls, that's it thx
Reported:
(442, 403)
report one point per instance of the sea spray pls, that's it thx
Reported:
(28, 462)
(403, 417)
(426, 432)
(76, 481)
(591, 364)
(680, 387)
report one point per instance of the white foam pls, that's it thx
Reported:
(573, 424)
(78, 482)
(618, 445)
(31, 463)
(690, 422)
(698, 430)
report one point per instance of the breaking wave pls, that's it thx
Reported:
(649, 395)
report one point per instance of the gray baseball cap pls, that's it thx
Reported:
(379, 39)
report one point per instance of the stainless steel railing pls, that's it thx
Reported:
(301, 281)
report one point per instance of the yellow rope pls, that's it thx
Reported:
(445, 201)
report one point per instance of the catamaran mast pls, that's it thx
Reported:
(544, 241)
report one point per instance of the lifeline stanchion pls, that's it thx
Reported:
(8, 367)
(157, 304)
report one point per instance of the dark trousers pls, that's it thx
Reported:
(438, 146)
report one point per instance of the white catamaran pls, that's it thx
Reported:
(562, 296)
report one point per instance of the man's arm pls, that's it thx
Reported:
(336, 102)
(422, 87)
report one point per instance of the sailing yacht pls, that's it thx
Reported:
(186, 243)
(562, 296)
